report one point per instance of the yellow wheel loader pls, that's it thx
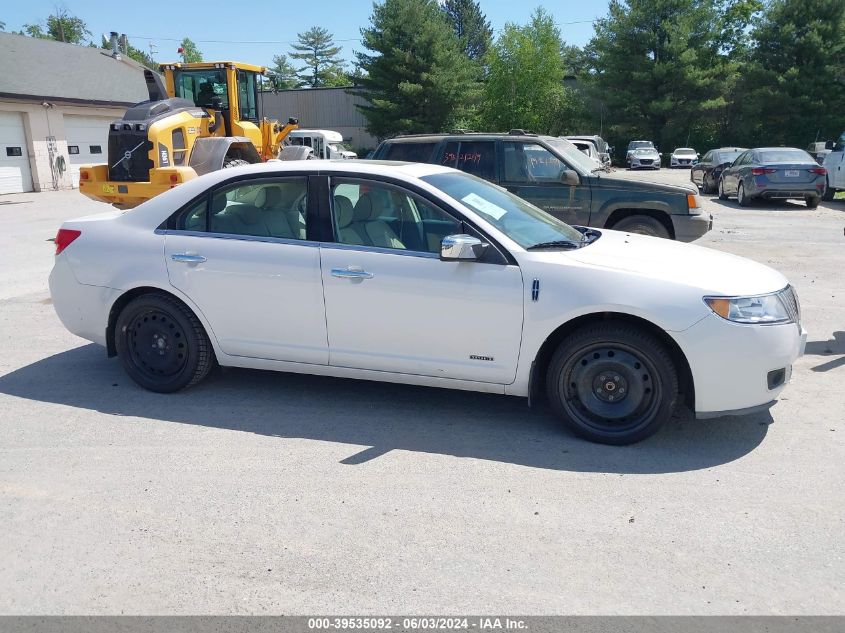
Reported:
(203, 117)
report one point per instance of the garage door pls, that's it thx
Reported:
(87, 141)
(15, 176)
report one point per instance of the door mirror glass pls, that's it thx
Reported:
(461, 247)
(569, 177)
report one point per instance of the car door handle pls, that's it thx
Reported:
(188, 258)
(351, 273)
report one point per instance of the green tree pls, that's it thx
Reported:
(797, 74)
(322, 66)
(60, 26)
(470, 25)
(525, 73)
(417, 79)
(283, 75)
(657, 69)
(190, 51)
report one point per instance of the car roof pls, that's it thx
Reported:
(778, 149)
(459, 135)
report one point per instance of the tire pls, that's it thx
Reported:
(705, 187)
(642, 224)
(722, 194)
(741, 198)
(234, 162)
(812, 202)
(828, 192)
(161, 344)
(600, 363)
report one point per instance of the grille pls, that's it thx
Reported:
(790, 302)
(646, 161)
(135, 168)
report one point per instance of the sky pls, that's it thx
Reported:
(255, 31)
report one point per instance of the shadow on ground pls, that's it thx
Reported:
(381, 416)
(835, 346)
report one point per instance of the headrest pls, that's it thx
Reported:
(269, 197)
(363, 208)
(344, 211)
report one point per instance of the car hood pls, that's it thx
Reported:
(711, 271)
(611, 181)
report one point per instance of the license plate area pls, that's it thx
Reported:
(791, 173)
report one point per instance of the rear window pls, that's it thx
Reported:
(726, 157)
(785, 156)
(410, 152)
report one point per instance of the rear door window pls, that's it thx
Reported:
(410, 152)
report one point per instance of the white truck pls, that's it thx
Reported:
(324, 144)
(834, 162)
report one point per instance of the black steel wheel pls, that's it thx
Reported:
(162, 344)
(642, 224)
(612, 383)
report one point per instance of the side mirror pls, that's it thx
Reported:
(461, 248)
(829, 145)
(569, 177)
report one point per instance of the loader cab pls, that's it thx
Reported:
(227, 87)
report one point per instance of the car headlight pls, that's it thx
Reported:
(773, 308)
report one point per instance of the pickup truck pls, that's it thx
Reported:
(552, 174)
(834, 162)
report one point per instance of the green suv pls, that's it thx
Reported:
(553, 174)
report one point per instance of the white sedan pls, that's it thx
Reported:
(683, 157)
(424, 275)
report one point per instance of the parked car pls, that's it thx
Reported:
(603, 148)
(683, 157)
(588, 149)
(706, 173)
(633, 145)
(774, 173)
(552, 174)
(424, 275)
(644, 158)
(834, 162)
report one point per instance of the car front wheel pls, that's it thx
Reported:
(642, 224)
(161, 343)
(612, 383)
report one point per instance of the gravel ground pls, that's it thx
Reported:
(273, 493)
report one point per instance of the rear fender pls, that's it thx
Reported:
(209, 154)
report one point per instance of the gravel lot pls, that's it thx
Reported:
(272, 493)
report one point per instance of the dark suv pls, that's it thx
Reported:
(552, 174)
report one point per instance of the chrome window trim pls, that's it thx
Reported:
(378, 249)
(237, 236)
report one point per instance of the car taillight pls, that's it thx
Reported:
(759, 171)
(83, 175)
(818, 170)
(64, 237)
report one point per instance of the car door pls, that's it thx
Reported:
(698, 170)
(242, 255)
(835, 165)
(533, 173)
(730, 177)
(392, 304)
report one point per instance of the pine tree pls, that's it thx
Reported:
(322, 67)
(470, 25)
(283, 73)
(417, 78)
(190, 52)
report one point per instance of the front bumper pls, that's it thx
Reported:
(731, 363)
(691, 227)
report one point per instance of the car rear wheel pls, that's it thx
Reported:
(161, 344)
(706, 187)
(741, 197)
(812, 201)
(722, 194)
(612, 383)
(642, 224)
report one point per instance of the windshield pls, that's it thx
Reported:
(571, 155)
(641, 152)
(727, 157)
(201, 86)
(636, 144)
(524, 223)
(684, 151)
(786, 156)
